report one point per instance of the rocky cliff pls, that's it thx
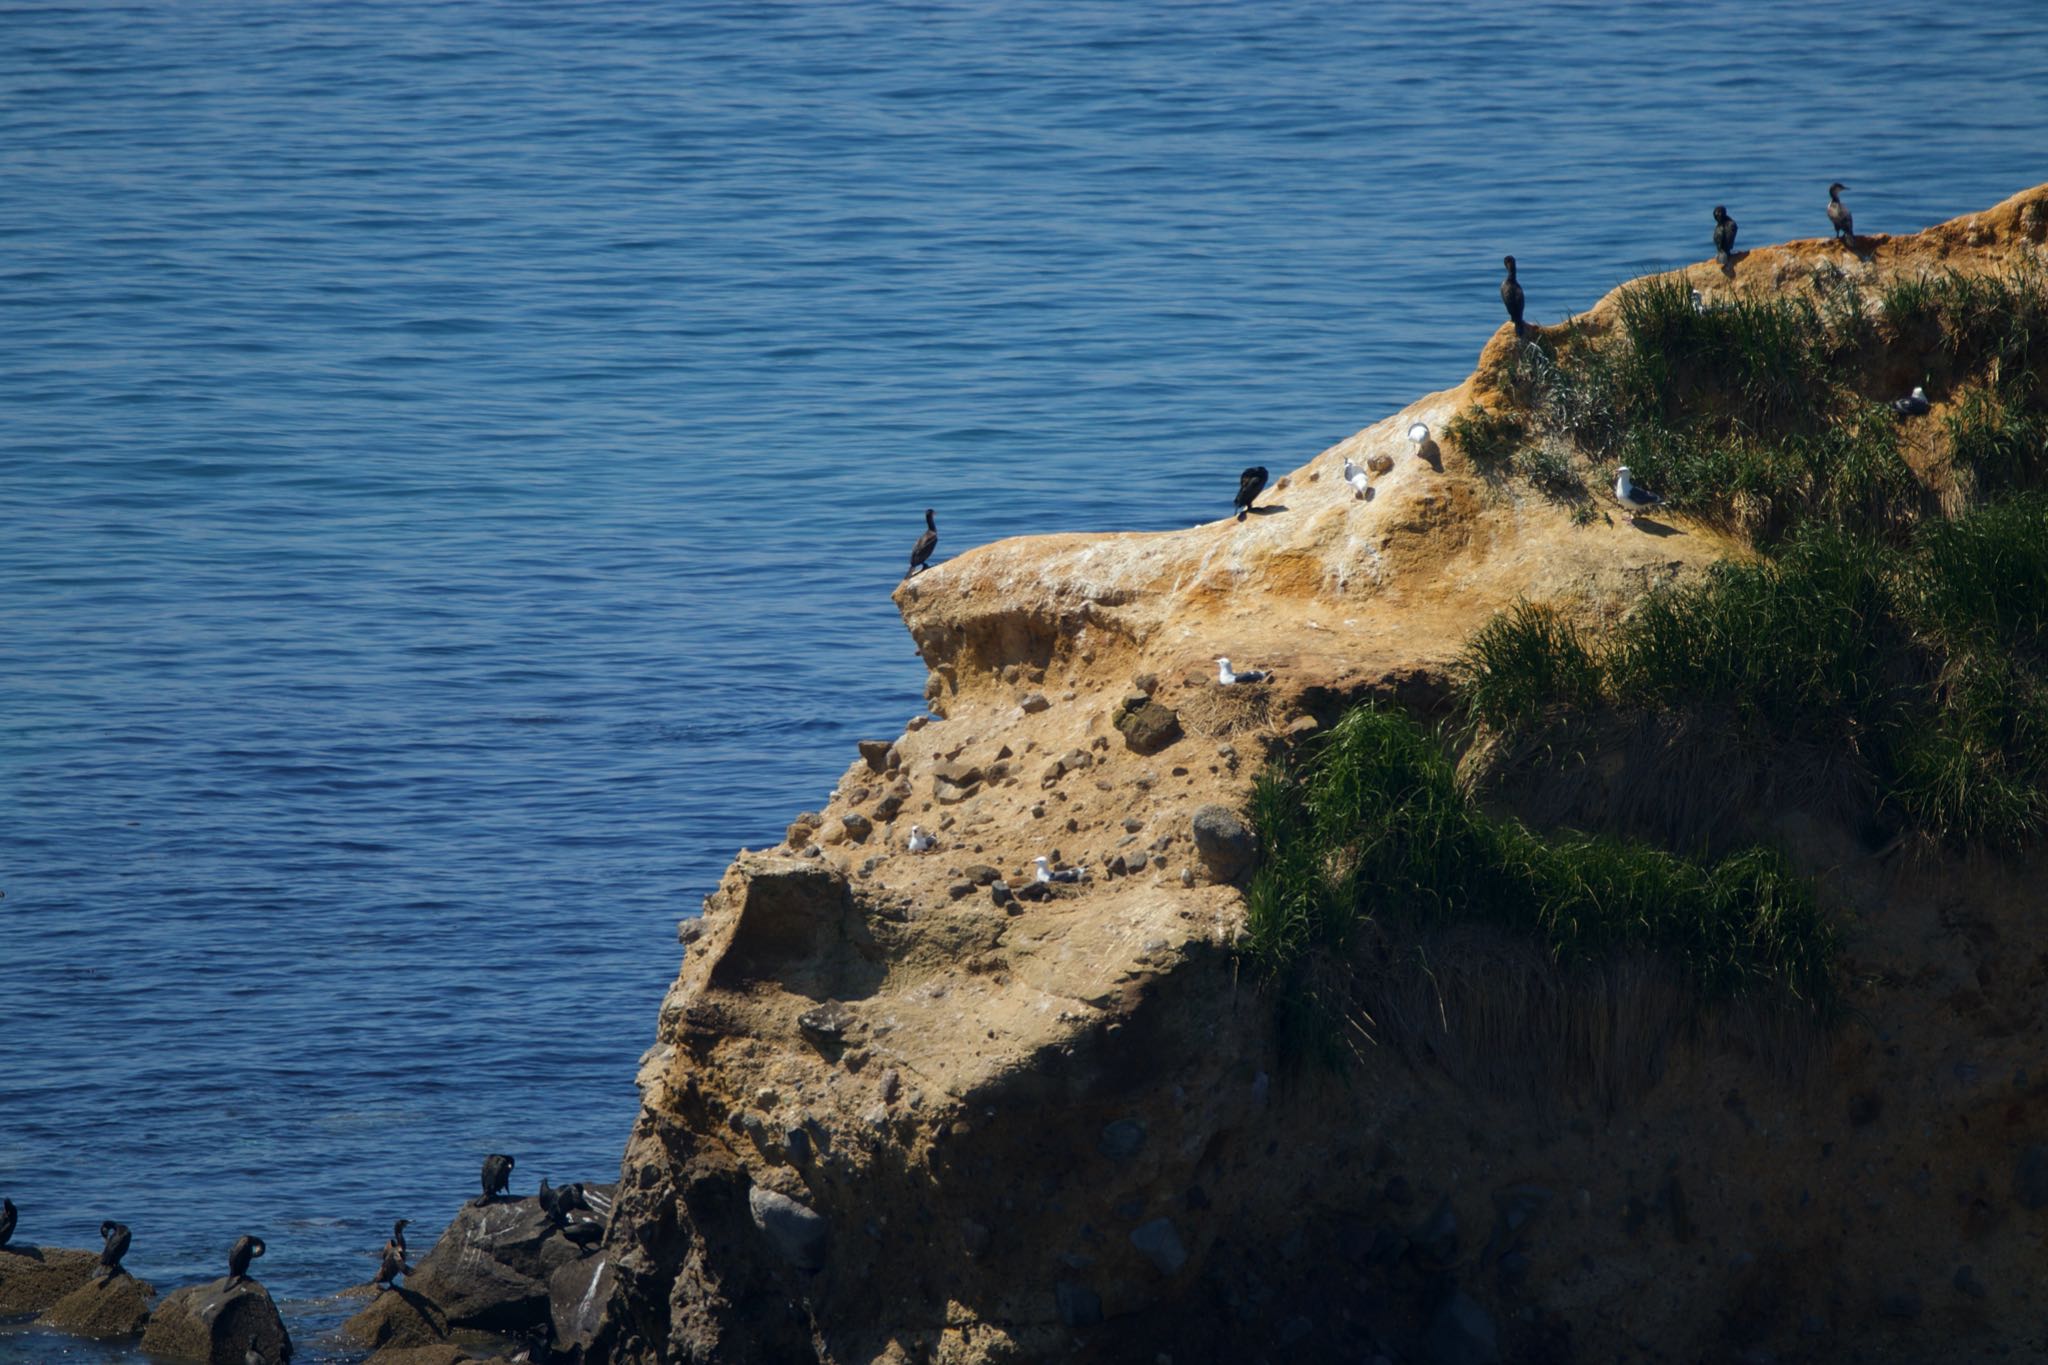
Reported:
(916, 1107)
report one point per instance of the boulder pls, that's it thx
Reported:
(218, 1323)
(33, 1278)
(490, 1269)
(1147, 726)
(1463, 1333)
(577, 1295)
(797, 1230)
(1223, 843)
(117, 1307)
(397, 1316)
(443, 1354)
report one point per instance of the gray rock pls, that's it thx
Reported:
(876, 752)
(1160, 1244)
(981, 874)
(1463, 1333)
(213, 1322)
(1226, 848)
(2030, 1177)
(858, 826)
(1518, 1206)
(490, 1269)
(1033, 704)
(1436, 1241)
(397, 1317)
(1121, 1140)
(798, 1231)
(950, 793)
(1146, 725)
(577, 1295)
(1079, 1306)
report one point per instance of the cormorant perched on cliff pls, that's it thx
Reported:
(551, 1202)
(115, 1235)
(497, 1176)
(245, 1250)
(9, 1215)
(926, 543)
(585, 1230)
(1249, 485)
(391, 1261)
(397, 1239)
(1511, 294)
(1724, 234)
(1914, 404)
(1838, 214)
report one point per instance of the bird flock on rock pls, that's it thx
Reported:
(1633, 497)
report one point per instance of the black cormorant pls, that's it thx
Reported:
(921, 552)
(398, 1236)
(1838, 214)
(245, 1250)
(115, 1235)
(585, 1230)
(1249, 485)
(1511, 294)
(497, 1176)
(1724, 234)
(551, 1202)
(391, 1264)
(9, 1216)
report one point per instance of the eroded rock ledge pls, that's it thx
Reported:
(911, 1107)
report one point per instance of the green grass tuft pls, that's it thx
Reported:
(1489, 437)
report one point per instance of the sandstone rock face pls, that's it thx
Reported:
(218, 1324)
(1087, 1146)
(117, 1307)
(32, 1278)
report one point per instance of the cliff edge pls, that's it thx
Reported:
(919, 1107)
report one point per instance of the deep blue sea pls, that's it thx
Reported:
(455, 457)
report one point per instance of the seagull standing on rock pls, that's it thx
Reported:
(1356, 477)
(920, 840)
(1631, 494)
(1226, 678)
(1914, 404)
(1044, 871)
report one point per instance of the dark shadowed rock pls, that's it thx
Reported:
(876, 752)
(2030, 1177)
(104, 1308)
(421, 1355)
(797, 1230)
(397, 1316)
(1147, 727)
(33, 1278)
(1462, 1333)
(1223, 843)
(490, 1269)
(1079, 1306)
(1159, 1242)
(218, 1324)
(577, 1295)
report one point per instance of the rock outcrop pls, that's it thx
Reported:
(491, 1271)
(33, 1278)
(915, 1107)
(110, 1308)
(218, 1323)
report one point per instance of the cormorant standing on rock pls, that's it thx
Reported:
(246, 1249)
(585, 1230)
(1724, 235)
(1838, 214)
(397, 1241)
(9, 1216)
(497, 1176)
(391, 1264)
(921, 552)
(1249, 485)
(115, 1235)
(1511, 294)
(550, 1202)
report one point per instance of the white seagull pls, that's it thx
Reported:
(1632, 495)
(920, 841)
(1044, 871)
(1914, 404)
(1356, 477)
(1228, 678)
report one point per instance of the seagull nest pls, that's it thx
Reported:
(1215, 711)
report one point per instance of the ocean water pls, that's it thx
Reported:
(455, 457)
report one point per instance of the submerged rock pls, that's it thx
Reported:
(33, 1278)
(218, 1324)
